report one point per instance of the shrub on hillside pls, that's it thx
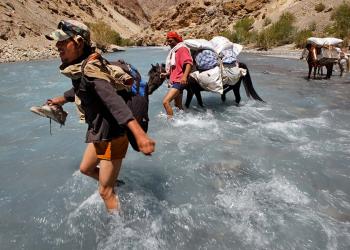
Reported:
(227, 34)
(267, 21)
(104, 35)
(312, 26)
(279, 33)
(341, 18)
(241, 33)
(264, 40)
(241, 30)
(320, 7)
(127, 42)
(301, 36)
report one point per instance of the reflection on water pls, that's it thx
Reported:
(271, 175)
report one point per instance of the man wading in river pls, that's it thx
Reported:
(106, 113)
(178, 66)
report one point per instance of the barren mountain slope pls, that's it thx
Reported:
(132, 10)
(205, 18)
(21, 18)
(24, 22)
(155, 6)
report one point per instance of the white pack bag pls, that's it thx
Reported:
(198, 44)
(330, 52)
(210, 80)
(220, 43)
(231, 75)
(323, 41)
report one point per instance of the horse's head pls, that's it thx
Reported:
(155, 77)
(312, 57)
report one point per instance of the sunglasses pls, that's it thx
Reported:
(72, 30)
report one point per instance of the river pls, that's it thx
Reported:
(272, 175)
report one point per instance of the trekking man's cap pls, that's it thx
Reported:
(69, 29)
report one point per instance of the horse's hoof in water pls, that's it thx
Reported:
(237, 104)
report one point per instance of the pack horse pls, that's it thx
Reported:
(216, 69)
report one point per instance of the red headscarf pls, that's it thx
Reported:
(174, 35)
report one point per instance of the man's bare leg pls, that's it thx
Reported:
(108, 174)
(171, 95)
(88, 165)
(178, 101)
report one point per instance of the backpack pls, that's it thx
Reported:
(138, 99)
(135, 96)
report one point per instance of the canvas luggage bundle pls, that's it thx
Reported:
(206, 59)
(326, 41)
(210, 80)
(216, 62)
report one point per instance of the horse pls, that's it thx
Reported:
(155, 79)
(193, 87)
(315, 64)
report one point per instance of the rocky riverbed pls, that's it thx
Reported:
(26, 50)
(19, 50)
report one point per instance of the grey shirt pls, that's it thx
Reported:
(106, 112)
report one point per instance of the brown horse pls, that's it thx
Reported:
(315, 64)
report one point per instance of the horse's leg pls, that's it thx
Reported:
(310, 69)
(199, 97)
(223, 96)
(236, 92)
(197, 92)
(315, 68)
(189, 96)
(193, 88)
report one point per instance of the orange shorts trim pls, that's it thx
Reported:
(112, 150)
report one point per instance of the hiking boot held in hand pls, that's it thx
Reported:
(54, 112)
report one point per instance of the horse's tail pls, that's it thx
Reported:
(248, 84)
